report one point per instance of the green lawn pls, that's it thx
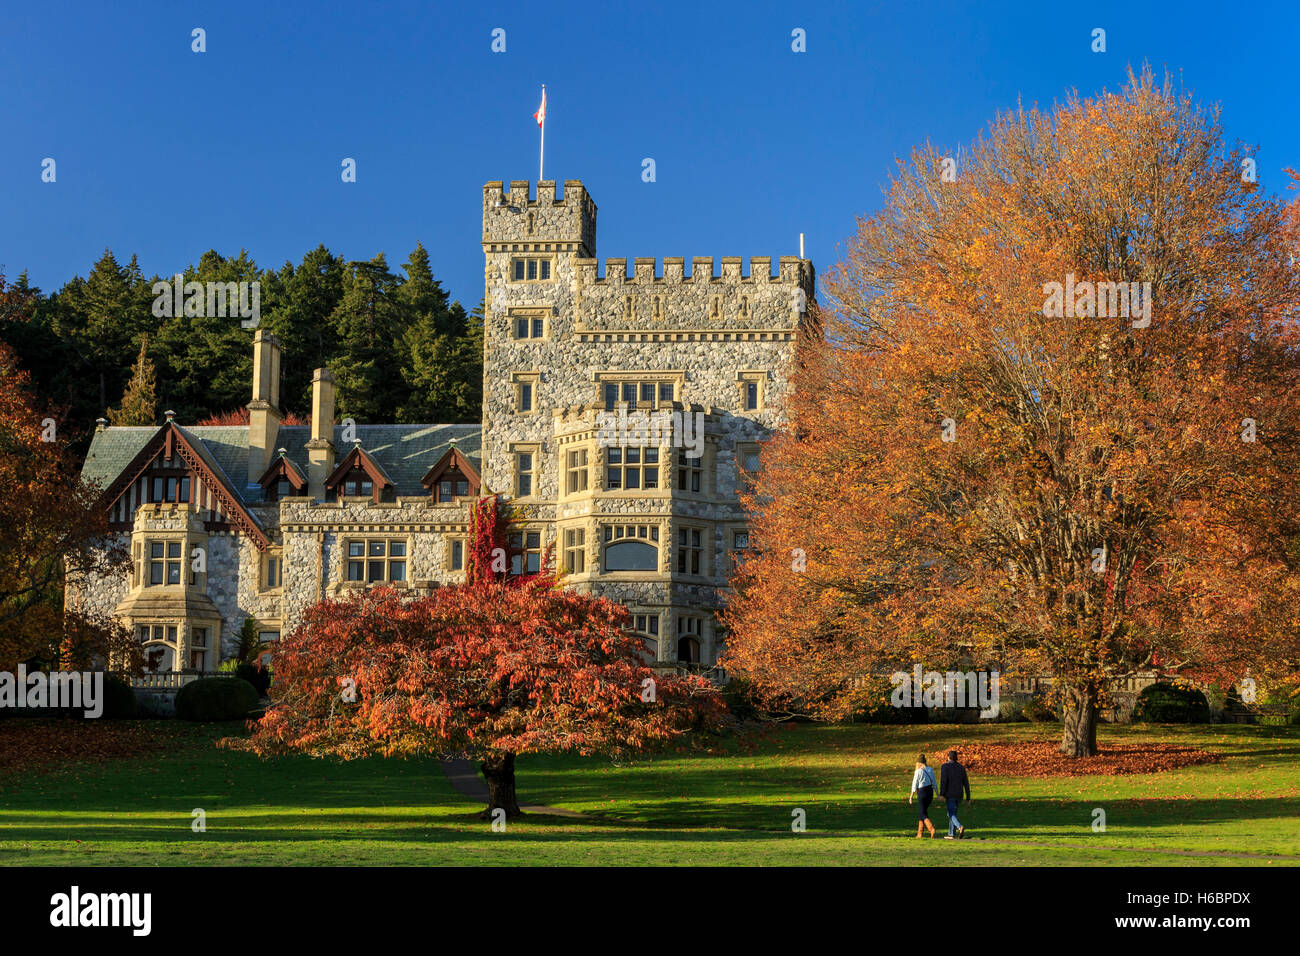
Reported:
(732, 808)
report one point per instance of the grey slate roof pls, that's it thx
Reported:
(404, 452)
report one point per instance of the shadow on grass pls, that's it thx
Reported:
(849, 780)
(992, 819)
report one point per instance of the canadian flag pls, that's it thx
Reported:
(540, 115)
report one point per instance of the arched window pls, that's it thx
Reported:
(688, 650)
(631, 556)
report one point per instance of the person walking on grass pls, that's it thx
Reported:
(923, 789)
(953, 782)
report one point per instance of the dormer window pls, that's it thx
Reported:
(452, 485)
(451, 478)
(357, 485)
(283, 480)
(359, 475)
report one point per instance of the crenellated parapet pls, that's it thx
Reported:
(671, 270)
(514, 217)
(661, 296)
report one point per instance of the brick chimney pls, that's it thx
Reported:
(264, 410)
(320, 450)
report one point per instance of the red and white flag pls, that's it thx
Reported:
(540, 115)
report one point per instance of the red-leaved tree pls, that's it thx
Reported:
(488, 670)
(52, 528)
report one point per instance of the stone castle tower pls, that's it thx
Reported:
(653, 526)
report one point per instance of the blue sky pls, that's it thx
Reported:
(166, 153)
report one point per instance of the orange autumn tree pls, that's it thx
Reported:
(491, 669)
(51, 527)
(977, 472)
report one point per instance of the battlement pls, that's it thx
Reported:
(672, 270)
(655, 298)
(515, 215)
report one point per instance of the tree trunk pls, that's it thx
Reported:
(1079, 722)
(499, 772)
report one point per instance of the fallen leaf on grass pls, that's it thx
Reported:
(1042, 759)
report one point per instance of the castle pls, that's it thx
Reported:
(261, 521)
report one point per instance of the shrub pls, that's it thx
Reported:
(1040, 710)
(738, 695)
(1286, 704)
(1166, 703)
(255, 674)
(119, 698)
(217, 698)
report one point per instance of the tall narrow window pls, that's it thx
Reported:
(690, 472)
(689, 632)
(199, 649)
(747, 463)
(523, 474)
(575, 550)
(457, 554)
(751, 390)
(689, 550)
(575, 462)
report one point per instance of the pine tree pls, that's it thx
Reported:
(369, 323)
(297, 304)
(139, 401)
(103, 316)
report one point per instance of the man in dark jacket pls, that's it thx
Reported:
(953, 782)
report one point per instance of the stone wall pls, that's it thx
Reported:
(704, 333)
(315, 534)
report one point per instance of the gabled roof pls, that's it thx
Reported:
(454, 459)
(191, 450)
(358, 457)
(281, 463)
(405, 452)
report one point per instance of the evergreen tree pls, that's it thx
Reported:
(139, 401)
(102, 317)
(369, 324)
(206, 360)
(298, 306)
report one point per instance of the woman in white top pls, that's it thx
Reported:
(923, 787)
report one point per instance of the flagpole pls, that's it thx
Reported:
(541, 157)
